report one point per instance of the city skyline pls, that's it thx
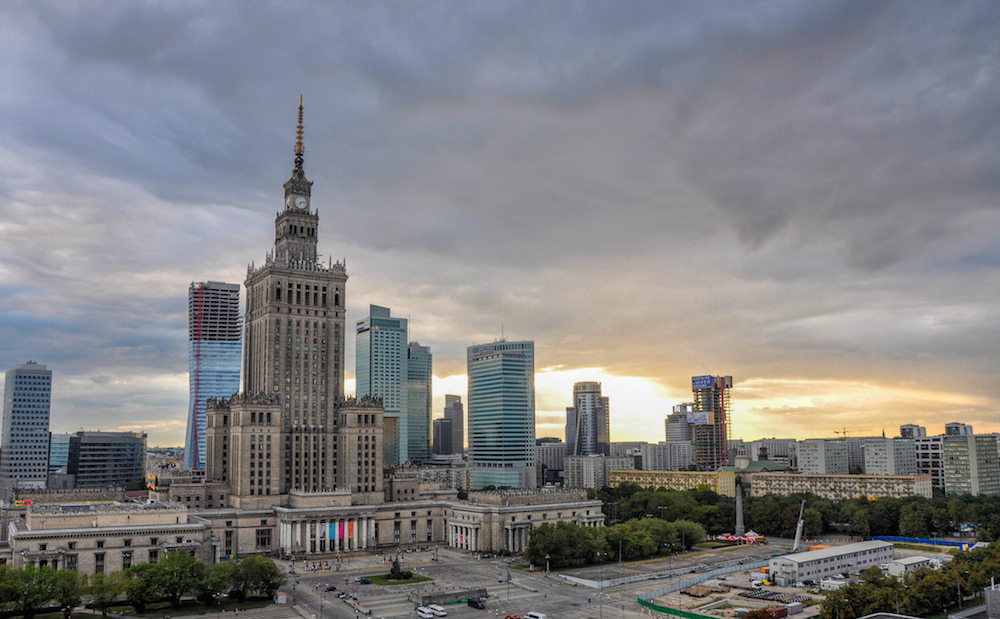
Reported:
(803, 198)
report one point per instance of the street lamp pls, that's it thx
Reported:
(547, 566)
(600, 586)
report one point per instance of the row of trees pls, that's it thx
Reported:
(179, 574)
(924, 592)
(567, 544)
(777, 515)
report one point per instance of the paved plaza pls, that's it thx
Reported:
(525, 590)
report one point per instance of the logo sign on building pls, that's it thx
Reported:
(698, 418)
(702, 382)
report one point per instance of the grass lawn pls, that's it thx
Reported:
(384, 580)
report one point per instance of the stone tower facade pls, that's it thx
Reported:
(283, 432)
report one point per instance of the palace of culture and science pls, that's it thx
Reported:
(292, 467)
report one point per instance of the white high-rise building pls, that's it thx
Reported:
(592, 428)
(24, 436)
(381, 370)
(890, 456)
(821, 456)
(502, 414)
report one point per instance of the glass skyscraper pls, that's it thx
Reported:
(24, 435)
(502, 414)
(419, 369)
(381, 370)
(214, 356)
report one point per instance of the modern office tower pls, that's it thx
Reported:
(58, 452)
(103, 459)
(571, 423)
(957, 429)
(454, 411)
(443, 438)
(676, 425)
(381, 370)
(971, 464)
(289, 429)
(890, 456)
(592, 429)
(709, 422)
(502, 414)
(419, 372)
(215, 349)
(820, 456)
(24, 436)
(912, 431)
(930, 458)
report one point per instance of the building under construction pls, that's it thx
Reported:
(710, 421)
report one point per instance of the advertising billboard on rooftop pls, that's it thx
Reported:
(702, 382)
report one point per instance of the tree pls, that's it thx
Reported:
(257, 574)
(34, 589)
(177, 575)
(8, 587)
(859, 524)
(68, 589)
(103, 591)
(140, 585)
(218, 579)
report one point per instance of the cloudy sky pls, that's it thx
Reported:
(805, 196)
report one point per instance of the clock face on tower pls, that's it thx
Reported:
(300, 202)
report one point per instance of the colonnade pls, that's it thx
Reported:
(463, 536)
(517, 537)
(327, 534)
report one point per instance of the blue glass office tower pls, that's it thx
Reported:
(381, 370)
(215, 347)
(502, 414)
(419, 370)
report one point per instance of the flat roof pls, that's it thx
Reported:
(911, 560)
(836, 551)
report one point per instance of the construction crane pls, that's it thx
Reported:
(844, 432)
(799, 527)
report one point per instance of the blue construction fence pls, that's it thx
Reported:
(922, 540)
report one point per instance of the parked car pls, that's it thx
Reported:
(365, 581)
(477, 603)
(331, 587)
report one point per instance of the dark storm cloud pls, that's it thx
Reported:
(770, 190)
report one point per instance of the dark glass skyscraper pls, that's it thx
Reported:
(419, 371)
(214, 351)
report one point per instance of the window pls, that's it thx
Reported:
(126, 560)
(153, 541)
(99, 563)
(100, 544)
(127, 542)
(263, 538)
(71, 545)
(154, 556)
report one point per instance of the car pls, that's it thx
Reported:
(331, 587)
(342, 595)
(512, 617)
(365, 581)
(477, 603)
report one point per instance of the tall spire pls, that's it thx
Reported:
(298, 141)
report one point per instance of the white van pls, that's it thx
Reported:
(425, 613)
(437, 610)
(534, 615)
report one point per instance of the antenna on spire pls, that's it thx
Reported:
(298, 141)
